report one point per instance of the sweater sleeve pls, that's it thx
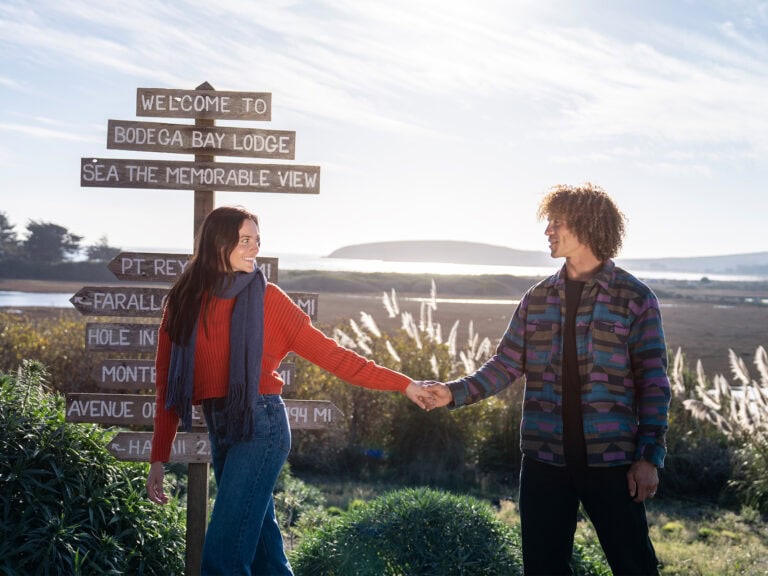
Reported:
(310, 343)
(166, 421)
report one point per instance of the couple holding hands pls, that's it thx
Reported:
(587, 343)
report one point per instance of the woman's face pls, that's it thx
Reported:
(243, 255)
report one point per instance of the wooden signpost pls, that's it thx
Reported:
(203, 175)
(187, 139)
(139, 410)
(151, 267)
(129, 375)
(173, 175)
(148, 302)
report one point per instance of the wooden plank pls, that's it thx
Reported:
(122, 374)
(137, 447)
(307, 301)
(189, 139)
(148, 302)
(139, 410)
(119, 301)
(210, 104)
(223, 176)
(135, 375)
(120, 337)
(159, 267)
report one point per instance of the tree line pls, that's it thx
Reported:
(48, 251)
(48, 243)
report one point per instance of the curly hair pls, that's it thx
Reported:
(589, 213)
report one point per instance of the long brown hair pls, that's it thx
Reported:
(207, 272)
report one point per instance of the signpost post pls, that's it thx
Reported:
(204, 176)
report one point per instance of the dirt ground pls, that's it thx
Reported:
(704, 330)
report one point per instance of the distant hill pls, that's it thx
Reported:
(453, 252)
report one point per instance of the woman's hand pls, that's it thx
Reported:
(155, 490)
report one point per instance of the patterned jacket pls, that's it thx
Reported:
(622, 360)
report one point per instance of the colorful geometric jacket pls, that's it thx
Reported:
(622, 360)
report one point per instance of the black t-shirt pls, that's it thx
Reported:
(573, 428)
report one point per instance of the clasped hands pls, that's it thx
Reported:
(429, 394)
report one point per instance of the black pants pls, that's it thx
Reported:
(549, 504)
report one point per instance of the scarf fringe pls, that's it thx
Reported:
(246, 344)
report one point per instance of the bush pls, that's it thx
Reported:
(419, 531)
(68, 507)
(412, 531)
(56, 340)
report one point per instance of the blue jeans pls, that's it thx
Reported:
(243, 536)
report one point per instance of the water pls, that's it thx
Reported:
(311, 262)
(314, 262)
(9, 299)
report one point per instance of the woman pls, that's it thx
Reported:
(223, 334)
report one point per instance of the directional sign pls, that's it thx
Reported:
(119, 301)
(190, 139)
(210, 104)
(119, 337)
(124, 374)
(148, 302)
(154, 267)
(137, 447)
(307, 301)
(134, 375)
(139, 410)
(201, 176)
(117, 409)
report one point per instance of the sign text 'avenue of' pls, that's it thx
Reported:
(139, 410)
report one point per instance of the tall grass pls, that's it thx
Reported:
(739, 410)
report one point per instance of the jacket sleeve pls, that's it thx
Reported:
(502, 369)
(648, 354)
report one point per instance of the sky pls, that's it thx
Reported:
(429, 119)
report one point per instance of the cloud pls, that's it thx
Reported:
(45, 133)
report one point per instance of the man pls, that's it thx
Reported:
(590, 344)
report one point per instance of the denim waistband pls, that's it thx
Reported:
(221, 403)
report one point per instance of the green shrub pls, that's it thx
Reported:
(56, 339)
(68, 507)
(411, 531)
(298, 505)
(419, 531)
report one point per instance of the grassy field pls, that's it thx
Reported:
(691, 538)
(705, 319)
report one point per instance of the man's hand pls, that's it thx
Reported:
(642, 480)
(438, 394)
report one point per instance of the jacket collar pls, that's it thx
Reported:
(603, 277)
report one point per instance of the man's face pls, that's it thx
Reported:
(562, 242)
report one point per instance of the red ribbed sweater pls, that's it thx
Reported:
(287, 328)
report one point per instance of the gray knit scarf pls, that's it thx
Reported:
(246, 338)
